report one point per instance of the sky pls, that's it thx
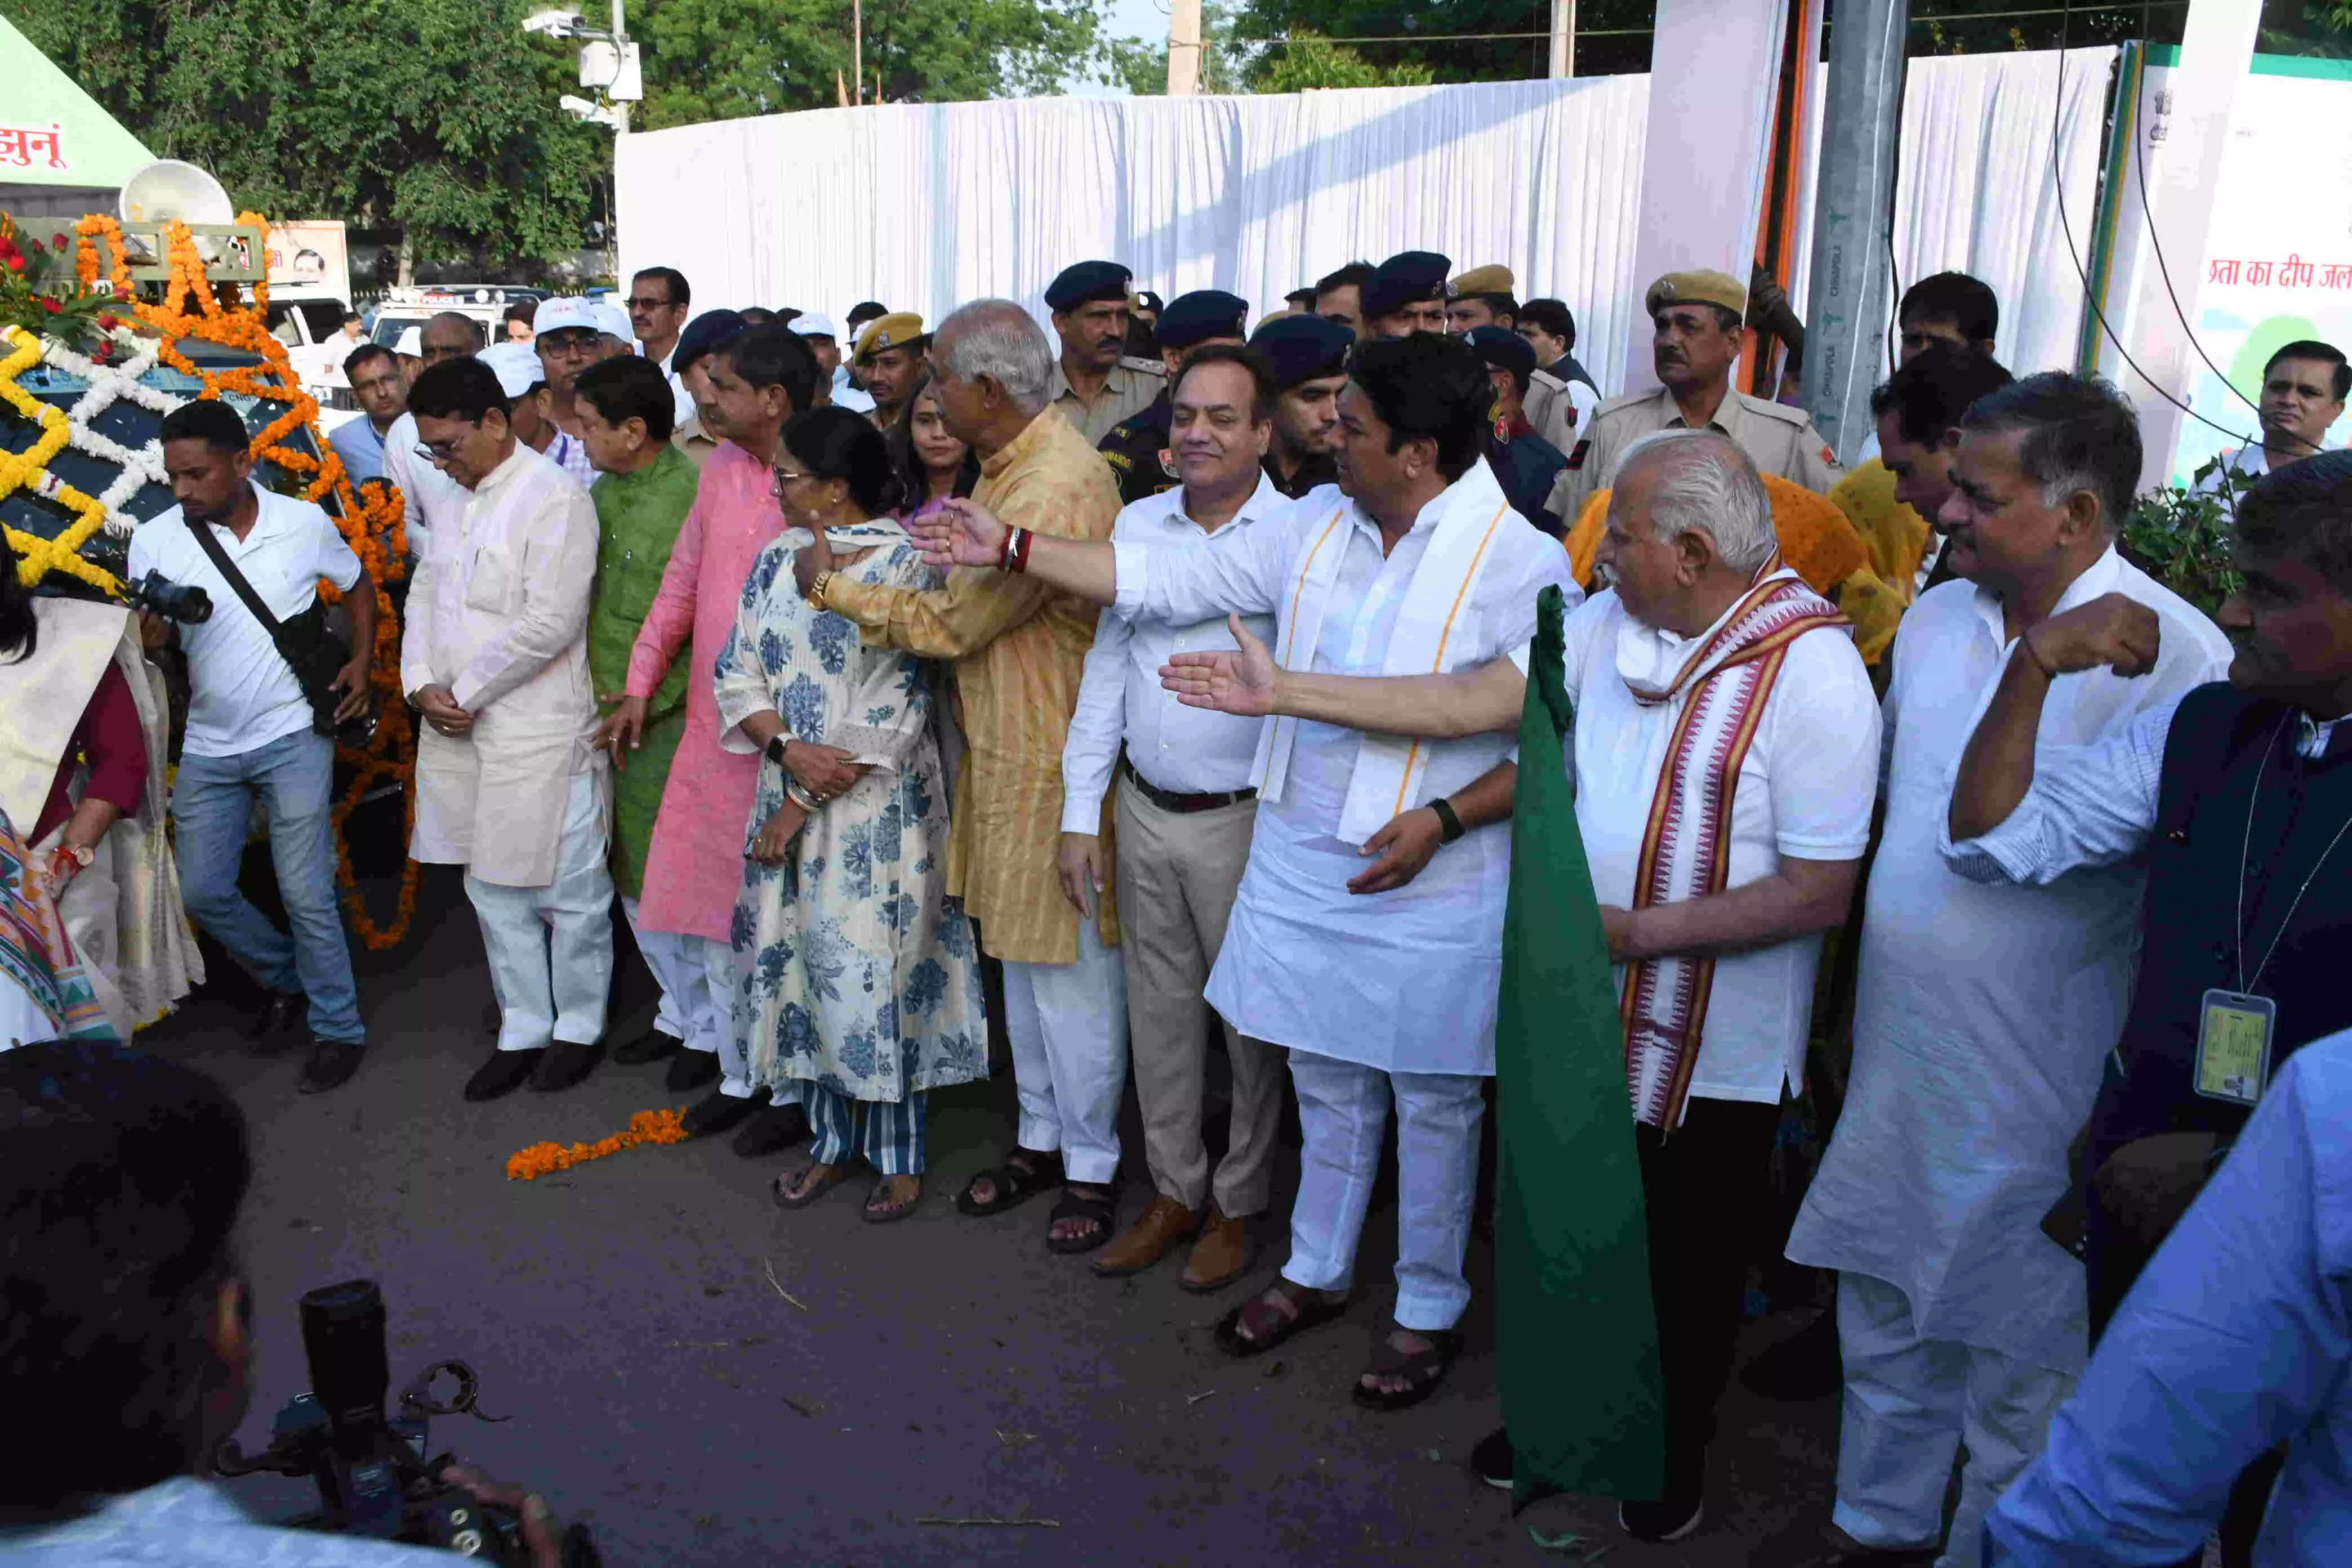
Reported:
(1127, 19)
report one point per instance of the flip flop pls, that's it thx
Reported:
(807, 1195)
(873, 1215)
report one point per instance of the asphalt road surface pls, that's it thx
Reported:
(663, 1389)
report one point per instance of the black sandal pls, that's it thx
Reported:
(1310, 1309)
(1025, 1174)
(1074, 1204)
(1424, 1369)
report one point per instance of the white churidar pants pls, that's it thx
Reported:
(698, 979)
(1343, 1109)
(1910, 1403)
(551, 948)
(1067, 1024)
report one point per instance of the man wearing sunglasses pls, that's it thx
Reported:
(658, 307)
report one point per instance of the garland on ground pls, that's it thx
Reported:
(646, 1127)
(371, 517)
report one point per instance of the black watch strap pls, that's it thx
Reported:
(775, 749)
(1449, 827)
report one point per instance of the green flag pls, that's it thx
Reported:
(1577, 1340)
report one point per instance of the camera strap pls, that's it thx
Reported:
(309, 674)
(235, 580)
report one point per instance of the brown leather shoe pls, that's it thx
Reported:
(1222, 1254)
(1144, 1243)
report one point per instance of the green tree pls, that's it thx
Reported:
(433, 120)
(715, 59)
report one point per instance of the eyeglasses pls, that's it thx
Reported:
(437, 452)
(777, 489)
(645, 302)
(570, 341)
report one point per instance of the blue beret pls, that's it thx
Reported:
(1088, 281)
(1404, 277)
(1303, 348)
(1202, 314)
(1145, 300)
(702, 334)
(1503, 348)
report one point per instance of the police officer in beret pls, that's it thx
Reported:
(1483, 297)
(1309, 355)
(1407, 294)
(1523, 460)
(1094, 383)
(1698, 318)
(1137, 449)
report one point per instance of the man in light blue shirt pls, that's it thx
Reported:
(2237, 1339)
(373, 371)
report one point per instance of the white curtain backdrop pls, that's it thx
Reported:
(1977, 192)
(925, 206)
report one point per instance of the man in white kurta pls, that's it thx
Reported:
(495, 659)
(1982, 1013)
(1379, 975)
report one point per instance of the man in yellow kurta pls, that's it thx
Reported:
(1020, 648)
(495, 658)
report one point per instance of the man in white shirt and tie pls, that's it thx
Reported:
(1366, 938)
(1185, 811)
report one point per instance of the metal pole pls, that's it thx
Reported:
(1183, 48)
(620, 43)
(1563, 37)
(856, 47)
(1844, 339)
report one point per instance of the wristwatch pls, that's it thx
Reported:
(1449, 827)
(775, 749)
(817, 585)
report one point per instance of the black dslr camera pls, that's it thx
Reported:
(159, 595)
(372, 1475)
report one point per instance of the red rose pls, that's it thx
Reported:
(109, 322)
(48, 304)
(15, 262)
(58, 243)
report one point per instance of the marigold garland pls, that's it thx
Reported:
(646, 1127)
(371, 517)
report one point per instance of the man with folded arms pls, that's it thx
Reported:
(1185, 806)
(495, 658)
(1380, 979)
(1726, 759)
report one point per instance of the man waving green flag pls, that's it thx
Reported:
(1582, 1397)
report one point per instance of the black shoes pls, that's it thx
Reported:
(501, 1075)
(650, 1046)
(331, 1066)
(278, 1018)
(1659, 1522)
(691, 1070)
(1490, 1461)
(776, 1129)
(566, 1063)
(715, 1113)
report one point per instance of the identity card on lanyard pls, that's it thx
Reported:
(2233, 1045)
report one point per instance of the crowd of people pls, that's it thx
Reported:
(1173, 668)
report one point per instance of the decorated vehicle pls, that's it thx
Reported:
(484, 302)
(105, 328)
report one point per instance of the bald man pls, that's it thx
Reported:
(432, 496)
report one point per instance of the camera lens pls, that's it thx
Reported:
(343, 1335)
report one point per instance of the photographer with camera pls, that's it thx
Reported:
(267, 684)
(82, 743)
(126, 1333)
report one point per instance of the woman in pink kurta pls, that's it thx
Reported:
(694, 866)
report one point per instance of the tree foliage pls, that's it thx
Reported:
(1234, 61)
(715, 60)
(432, 118)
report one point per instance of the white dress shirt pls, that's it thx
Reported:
(1805, 790)
(1404, 981)
(242, 695)
(845, 395)
(1186, 750)
(1982, 1014)
(432, 496)
(682, 401)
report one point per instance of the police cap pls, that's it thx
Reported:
(1303, 348)
(1504, 349)
(1402, 280)
(1699, 288)
(1202, 314)
(1087, 281)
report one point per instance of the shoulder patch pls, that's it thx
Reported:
(1575, 458)
(1117, 460)
(1829, 456)
(1628, 400)
(1145, 366)
(1168, 461)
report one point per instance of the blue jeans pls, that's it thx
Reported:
(294, 776)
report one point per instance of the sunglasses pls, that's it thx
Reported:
(645, 302)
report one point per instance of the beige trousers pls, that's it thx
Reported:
(1178, 872)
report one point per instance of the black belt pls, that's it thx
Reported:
(1169, 800)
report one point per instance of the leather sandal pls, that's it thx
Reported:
(1268, 1328)
(1025, 1174)
(1076, 1204)
(1423, 1370)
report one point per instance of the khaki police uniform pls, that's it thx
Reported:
(1131, 388)
(1778, 439)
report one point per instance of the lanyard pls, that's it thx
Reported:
(2246, 853)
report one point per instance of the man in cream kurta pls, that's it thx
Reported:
(495, 656)
(1982, 1013)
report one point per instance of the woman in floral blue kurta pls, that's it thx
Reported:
(863, 979)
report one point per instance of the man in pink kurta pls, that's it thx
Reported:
(685, 919)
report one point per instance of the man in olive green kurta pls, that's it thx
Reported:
(644, 488)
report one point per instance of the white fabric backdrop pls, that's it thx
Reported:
(924, 207)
